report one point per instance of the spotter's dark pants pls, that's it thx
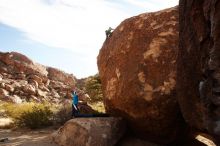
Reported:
(75, 110)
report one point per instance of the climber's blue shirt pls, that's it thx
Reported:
(75, 99)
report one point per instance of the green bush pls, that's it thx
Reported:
(39, 116)
(93, 88)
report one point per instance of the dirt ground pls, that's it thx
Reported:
(24, 137)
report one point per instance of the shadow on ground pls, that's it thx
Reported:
(26, 138)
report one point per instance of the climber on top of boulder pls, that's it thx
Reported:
(108, 32)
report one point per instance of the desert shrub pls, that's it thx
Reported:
(97, 106)
(15, 110)
(39, 116)
(62, 114)
(3, 113)
(31, 115)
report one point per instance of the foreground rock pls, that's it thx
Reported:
(90, 132)
(198, 76)
(137, 66)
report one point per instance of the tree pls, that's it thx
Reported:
(93, 88)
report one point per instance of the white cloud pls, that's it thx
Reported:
(153, 5)
(64, 24)
(77, 25)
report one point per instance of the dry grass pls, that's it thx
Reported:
(98, 106)
(32, 115)
(15, 110)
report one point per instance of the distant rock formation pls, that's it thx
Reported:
(137, 66)
(90, 132)
(198, 76)
(24, 80)
(58, 75)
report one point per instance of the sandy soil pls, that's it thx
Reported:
(26, 137)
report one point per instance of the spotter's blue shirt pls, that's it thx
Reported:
(75, 99)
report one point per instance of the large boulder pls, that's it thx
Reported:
(90, 132)
(137, 66)
(18, 63)
(198, 76)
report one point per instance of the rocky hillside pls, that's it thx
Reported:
(137, 66)
(21, 80)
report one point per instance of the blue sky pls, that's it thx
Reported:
(66, 34)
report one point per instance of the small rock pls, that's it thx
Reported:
(4, 139)
(20, 76)
(35, 78)
(9, 88)
(3, 92)
(43, 88)
(1, 78)
(29, 89)
(55, 94)
(16, 99)
(2, 85)
(41, 93)
(34, 98)
(33, 82)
